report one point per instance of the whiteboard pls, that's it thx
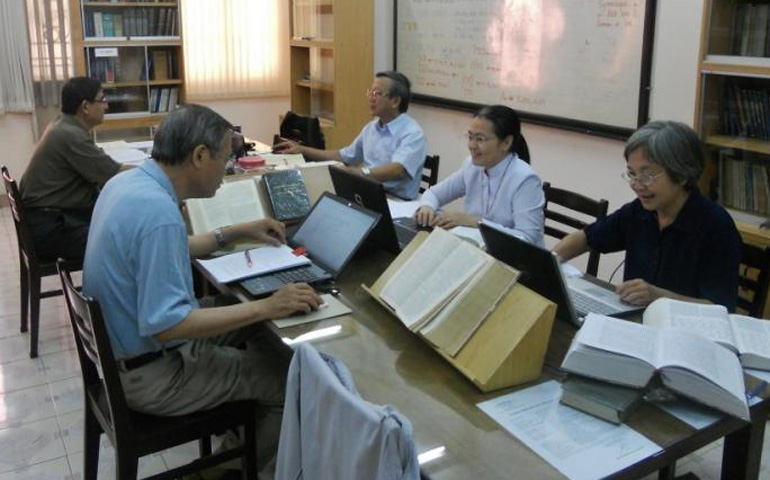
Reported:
(577, 62)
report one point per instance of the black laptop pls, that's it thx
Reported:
(331, 234)
(389, 234)
(541, 272)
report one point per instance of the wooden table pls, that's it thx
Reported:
(391, 365)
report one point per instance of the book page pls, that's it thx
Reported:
(752, 336)
(619, 336)
(710, 321)
(436, 270)
(234, 202)
(454, 325)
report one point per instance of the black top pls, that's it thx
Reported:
(697, 255)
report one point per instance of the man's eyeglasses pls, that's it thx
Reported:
(476, 138)
(644, 179)
(99, 100)
(375, 93)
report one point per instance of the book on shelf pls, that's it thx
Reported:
(630, 354)
(745, 336)
(749, 29)
(446, 290)
(288, 194)
(744, 181)
(132, 21)
(604, 400)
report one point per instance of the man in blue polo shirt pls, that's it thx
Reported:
(174, 356)
(390, 149)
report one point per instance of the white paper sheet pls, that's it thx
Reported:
(229, 268)
(400, 209)
(127, 155)
(578, 445)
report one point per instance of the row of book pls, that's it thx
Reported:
(162, 65)
(134, 21)
(749, 33)
(163, 99)
(746, 111)
(744, 184)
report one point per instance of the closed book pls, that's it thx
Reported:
(288, 195)
(601, 399)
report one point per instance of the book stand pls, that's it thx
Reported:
(510, 345)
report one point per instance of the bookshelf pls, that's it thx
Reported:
(134, 47)
(332, 64)
(733, 111)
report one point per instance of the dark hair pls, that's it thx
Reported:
(506, 122)
(184, 129)
(400, 87)
(76, 90)
(672, 145)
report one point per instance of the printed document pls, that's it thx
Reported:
(580, 446)
(229, 268)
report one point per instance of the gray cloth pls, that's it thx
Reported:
(205, 373)
(328, 431)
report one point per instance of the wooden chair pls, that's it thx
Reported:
(753, 279)
(134, 434)
(575, 202)
(31, 269)
(429, 172)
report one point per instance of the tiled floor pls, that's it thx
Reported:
(41, 402)
(41, 411)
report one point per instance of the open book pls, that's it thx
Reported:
(447, 289)
(630, 354)
(746, 336)
(234, 202)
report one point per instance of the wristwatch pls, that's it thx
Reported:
(366, 171)
(219, 236)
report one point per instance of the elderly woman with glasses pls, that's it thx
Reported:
(496, 181)
(678, 243)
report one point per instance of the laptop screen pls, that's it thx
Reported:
(539, 268)
(333, 231)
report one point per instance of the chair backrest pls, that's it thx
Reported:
(23, 236)
(304, 129)
(98, 367)
(429, 172)
(753, 279)
(559, 224)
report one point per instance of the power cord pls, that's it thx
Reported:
(616, 269)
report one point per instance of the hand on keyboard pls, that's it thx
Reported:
(297, 297)
(638, 292)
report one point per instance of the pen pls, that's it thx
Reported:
(248, 258)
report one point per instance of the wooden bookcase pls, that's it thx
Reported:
(135, 48)
(332, 64)
(733, 111)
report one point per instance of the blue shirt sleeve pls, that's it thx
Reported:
(353, 154)
(411, 153)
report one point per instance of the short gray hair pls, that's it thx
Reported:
(184, 129)
(672, 145)
(400, 87)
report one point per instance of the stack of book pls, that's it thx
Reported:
(132, 22)
(695, 350)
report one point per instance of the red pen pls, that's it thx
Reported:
(248, 258)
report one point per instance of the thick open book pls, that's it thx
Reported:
(746, 336)
(631, 354)
(447, 289)
(234, 202)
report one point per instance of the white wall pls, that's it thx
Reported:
(258, 117)
(583, 163)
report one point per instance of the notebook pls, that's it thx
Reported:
(331, 233)
(541, 272)
(370, 194)
(288, 195)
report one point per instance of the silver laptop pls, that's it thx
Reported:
(541, 271)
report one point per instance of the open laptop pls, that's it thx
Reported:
(331, 234)
(392, 235)
(540, 271)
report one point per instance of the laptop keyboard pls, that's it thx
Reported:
(306, 274)
(584, 304)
